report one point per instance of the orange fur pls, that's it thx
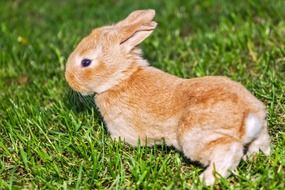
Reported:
(206, 118)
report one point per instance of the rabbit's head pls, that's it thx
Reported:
(101, 59)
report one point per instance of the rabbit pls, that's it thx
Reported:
(210, 119)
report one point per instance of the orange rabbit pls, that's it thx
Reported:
(210, 119)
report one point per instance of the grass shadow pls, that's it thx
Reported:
(181, 154)
(79, 103)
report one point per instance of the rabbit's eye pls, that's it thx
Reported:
(86, 62)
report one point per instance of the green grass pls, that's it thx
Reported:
(51, 138)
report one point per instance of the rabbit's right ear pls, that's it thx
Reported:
(135, 28)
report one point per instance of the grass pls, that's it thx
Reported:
(51, 138)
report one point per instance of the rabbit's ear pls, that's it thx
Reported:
(133, 35)
(138, 16)
(135, 28)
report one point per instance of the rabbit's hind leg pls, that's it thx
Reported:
(219, 152)
(224, 156)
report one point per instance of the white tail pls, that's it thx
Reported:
(253, 127)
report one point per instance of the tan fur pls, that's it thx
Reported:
(203, 117)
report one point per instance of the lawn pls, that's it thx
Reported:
(52, 138)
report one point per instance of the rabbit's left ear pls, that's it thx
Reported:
(135, 28)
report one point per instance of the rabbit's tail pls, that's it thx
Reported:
(253, 127)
